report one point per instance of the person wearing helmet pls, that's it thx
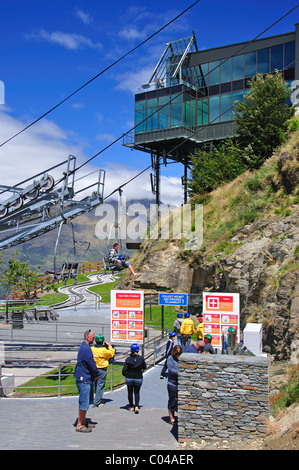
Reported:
(102, 352)
(177, 328)
(118, 260)
(169, 346)
(133, 372)
(187, 330)
(199, 330)
(208, 346)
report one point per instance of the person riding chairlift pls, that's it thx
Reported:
(118, 260)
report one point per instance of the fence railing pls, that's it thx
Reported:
(152, 350)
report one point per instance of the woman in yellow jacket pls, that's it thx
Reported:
(102, 352)
(199, 331)
(187, 330)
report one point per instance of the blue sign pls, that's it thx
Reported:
(173, 299)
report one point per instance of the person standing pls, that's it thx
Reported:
(102, 351)
(172, 383)
(169, 346)
(133, 372)
(187, 330)
(85, 374)
(199, 330)
(208, 346)
(177, 328)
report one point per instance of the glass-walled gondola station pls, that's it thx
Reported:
(189, 100)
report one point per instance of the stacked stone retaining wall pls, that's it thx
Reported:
(222, 396)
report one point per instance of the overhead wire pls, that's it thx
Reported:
(99, 74)
(168, 102)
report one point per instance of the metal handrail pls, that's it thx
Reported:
(152, 357)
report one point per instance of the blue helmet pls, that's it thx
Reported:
(134, 348)
(186, 314)
(121, 257)
(180, 315)
(171, 334)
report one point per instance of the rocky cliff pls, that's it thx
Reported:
(259, 258)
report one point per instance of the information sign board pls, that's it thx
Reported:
(127, 316)
(220, 311)
(173, 299)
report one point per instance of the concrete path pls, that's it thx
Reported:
(49, 423)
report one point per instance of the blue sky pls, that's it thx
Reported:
(49, 48)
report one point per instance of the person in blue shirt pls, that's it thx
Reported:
(195, 347)
(85, 373)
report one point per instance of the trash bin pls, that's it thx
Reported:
(17, 317)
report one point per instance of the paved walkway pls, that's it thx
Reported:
(49, 423)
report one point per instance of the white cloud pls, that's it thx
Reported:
(46, 144)
(108, 137)
(133, 80)
(131, 33)
(85, 17)
(70, 41)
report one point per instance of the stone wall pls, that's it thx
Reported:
(222, 396)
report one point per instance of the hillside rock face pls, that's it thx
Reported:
(263, 269)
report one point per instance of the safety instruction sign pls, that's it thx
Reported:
(220, 311)
(127, 316)
(173, 299)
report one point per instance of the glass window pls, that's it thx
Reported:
(202, 112)
(226, 71)
(152, 102)
(276, 57)
(205, 79)
(289, 54)
(176, 114)
(139, 104)
(214, 72)
(164, 100)
(263, 61)
(152, 121)
(236, 97)
(225, 107)
(214, 108)
(250, 64)
(238, 67)
(176, 98)
(164, 117)
(139, 117)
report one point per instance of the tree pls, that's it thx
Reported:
(211, 169)
(262, 119)
(17, 275)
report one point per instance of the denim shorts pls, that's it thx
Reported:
(134, 382)
(85, 395)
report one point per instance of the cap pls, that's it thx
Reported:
(99, 339)
(208, 337)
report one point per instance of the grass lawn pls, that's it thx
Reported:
(68, 383)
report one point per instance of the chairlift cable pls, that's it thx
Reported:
(99, 74)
